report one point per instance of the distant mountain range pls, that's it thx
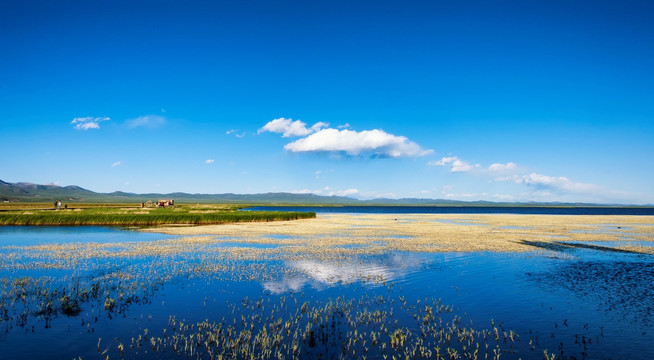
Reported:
(28, 192)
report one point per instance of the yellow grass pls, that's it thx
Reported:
(437, 232)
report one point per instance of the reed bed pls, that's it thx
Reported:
(137, 216)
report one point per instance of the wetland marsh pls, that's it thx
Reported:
(137, 215)
(357, 286)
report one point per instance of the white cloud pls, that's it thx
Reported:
(209, 161)
(375, 141)
(321, 138)
(320, 174)
(466, 196)
(553, 182)
(288, 127)
(456, 164)
(235, 132)
(385, 195)
(503, 197)
(88, 122)
(117, 163)
(327, 191)
(442, 162)
(147, 121)
(347, 192)
(462, 166)
(319, 125)
(497, 167)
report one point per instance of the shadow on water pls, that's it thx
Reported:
(561, 246)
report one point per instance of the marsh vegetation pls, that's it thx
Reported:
(136, 215)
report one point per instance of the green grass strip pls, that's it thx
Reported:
(154, 217)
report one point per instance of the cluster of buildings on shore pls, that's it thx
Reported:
(149, 203)
(159, 203)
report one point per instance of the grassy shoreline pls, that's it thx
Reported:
(138, 216)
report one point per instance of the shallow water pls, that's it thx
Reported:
(583, 300)
(38, 235)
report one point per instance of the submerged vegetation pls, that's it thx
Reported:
(140, 216)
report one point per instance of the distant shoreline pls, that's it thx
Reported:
(429, 209)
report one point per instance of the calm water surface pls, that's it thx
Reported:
(583, 302)
(39, 235)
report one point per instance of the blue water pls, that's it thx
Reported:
(552, 296)
(461, 210)
(39, 235)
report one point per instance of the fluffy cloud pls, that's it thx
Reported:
(321, 138)
(88, 122)
(288, 127)
(148, 121)
(377, 142)
(456, 164)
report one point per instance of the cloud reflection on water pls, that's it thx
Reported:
(321, 274)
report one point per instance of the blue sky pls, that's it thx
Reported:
(500, 100)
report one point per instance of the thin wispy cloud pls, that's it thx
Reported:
(88, 122)
(327, 191)
(498, 167)
(147, 121)
(550, 182)
(209, 161)
(320, 174)
(503, 197)
(235, 133)
(117, 163)
(541, 185)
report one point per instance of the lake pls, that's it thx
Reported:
(337, 286)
